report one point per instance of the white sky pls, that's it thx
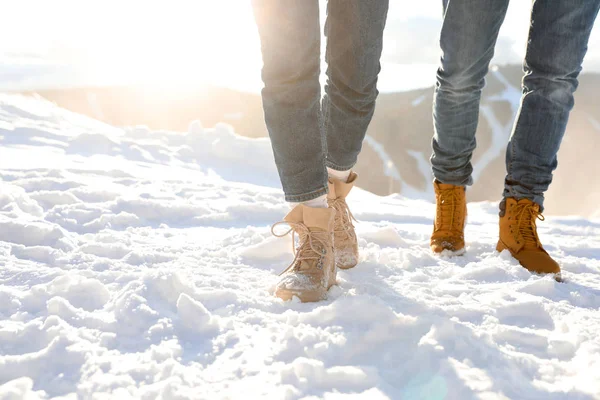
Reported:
(178, 40)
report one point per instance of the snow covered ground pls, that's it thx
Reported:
(139, 264)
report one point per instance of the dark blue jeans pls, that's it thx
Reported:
(558, 40)
(307, 135)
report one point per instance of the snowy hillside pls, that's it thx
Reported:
(395, 157)
(139, 264)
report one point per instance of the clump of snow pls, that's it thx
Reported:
(139, 264)
(194, 316)
(19, 389)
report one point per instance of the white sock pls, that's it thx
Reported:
(339, 175)
(319, 202)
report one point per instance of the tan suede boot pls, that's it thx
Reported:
(450, 217)
(518, 234)
(345, 242)
(312, 272)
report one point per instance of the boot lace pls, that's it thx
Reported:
(306, 244)
(448, 217)
(344, 217)
(526, 216)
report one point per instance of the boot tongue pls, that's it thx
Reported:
(321, 218)
(527, 226)
(313, 218)
(341, 189)
(446, 186)
(443, 186)
(316, 220)
(447, 207)
(449, 198)
(296, 215)
(535, 206)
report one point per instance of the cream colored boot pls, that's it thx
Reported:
(312, 272)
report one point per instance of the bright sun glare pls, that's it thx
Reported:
(181, 44)
(157, 43)
(177, 44)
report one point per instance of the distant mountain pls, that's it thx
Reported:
(395, 157)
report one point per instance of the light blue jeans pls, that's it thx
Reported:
(558, 39)
(306, 134)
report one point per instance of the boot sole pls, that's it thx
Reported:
(449, 252)
(287, 295)
(305, 297)
(453, 253)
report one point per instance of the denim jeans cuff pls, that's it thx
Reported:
(539, 200)
(336, 167)
(298, 198)
(452, 180)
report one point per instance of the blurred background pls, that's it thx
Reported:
(165, 64)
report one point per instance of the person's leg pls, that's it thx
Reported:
(558, 39)
(290, 40)
(467, 41)
(354, 30)
(468, 37)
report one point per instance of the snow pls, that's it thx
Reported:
(140, 264)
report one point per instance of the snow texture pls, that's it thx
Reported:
(139, 264)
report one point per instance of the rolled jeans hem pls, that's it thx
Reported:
(336, 167)
(298, 198)
(450, 180)
(537, 199)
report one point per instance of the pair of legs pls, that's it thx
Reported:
(309, 134)
(558, 39)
